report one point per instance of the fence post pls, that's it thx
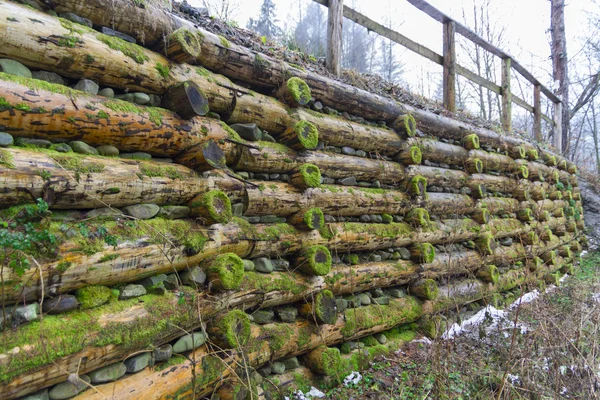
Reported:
(506, 96)
(334, 36)
(449, 81)
(537, 113)
(557, 140)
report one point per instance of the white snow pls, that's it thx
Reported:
(312, 393)
(353, 378)
(514, 379)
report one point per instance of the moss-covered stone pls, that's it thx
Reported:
(93, 296)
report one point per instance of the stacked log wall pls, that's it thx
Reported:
(294, 237)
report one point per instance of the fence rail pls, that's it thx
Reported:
(451, 67)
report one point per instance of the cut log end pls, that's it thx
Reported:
(522, 194)
(411, 156)
(323, 308)
(183, 45)
(303, 135)
(326, 361)
(298, 92)
(530, 238)
(489, 273)
(418, 217)
(525, 215)
(471, 142)
(556, 195)
(314, 218)
(538, 193)
(225, 272)
(478, 191)
(474, 166)
(523, 172)
(418, 186)
(426, 289)
(405, 124)
(186, 99)
(550, 258)
(214, 206)
(572, 168)
(422, 253)
(234, 329)
(532, 154)
(482, 216)
(307, 176)
(550, 160)
(315, 261)
(485, 244)
(534, 263)
(518, 152)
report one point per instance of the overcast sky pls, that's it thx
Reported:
(526, 23)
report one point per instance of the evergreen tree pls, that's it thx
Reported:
(265, 24)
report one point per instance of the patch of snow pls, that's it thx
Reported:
(514, 379)
(424, 340)
(564, 278)
(563, 391)
(353, 378)
(312, 393)
(489, 314)
(596, 297)
(526, 298)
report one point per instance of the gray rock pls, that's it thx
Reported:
(237, 209)
(396, 256)
(375, 257)
(262, 317)
(248, 131)
(110, 373)
(285, 177)
(104, 212)
(88, 86)
(66, 390)
(364, 218)
(155, 100)
(376, 184)
(61, 148)
(291, 363)
(265, 371)
(280, 264)
(48, 77)
(348, 151)
(261, 176)
(243, 174)
(159, 289)
(396, 293)
(83, 148)
(381, 338)
(138, 155)
(253, 220)
(376, 219)
(108, 150)
(142, 211)
(398, 218)
(189, 342)
(26, 313)
(329, 218)
(274, 177)
(506, 241)
(364, 184)
(278, 368)
(174, 212)
(350, 181)
(465, 190)
(333, 149)
(76, 18)
(107, 92)
(131, 291)
(360, 153)
(328, 181)
(171, 283)
(33, 142)
(6, 139)
(384, 255)
(318, 106)
(377, 292)
(341, 304)
(120, 35)
(60, 304)
(141, 98)
(153, 280)
(263, 264)
(41, 395)
(129, 97)
(382, 301)
(287, 314)
(268, 219)
(162, 353)
(404, 253)
(248, 265)
(138, 363)
(364, 299)
(194, 277)
(13, 67)
(268, 138)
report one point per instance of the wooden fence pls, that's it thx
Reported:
(337, 11)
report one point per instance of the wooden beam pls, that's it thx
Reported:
(557, 140)
(449, 81)
(334, 36)
(506, 96)
(537, 114)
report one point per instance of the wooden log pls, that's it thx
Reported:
(72, 115)
(488, 273)
(499, 205)
(471, 141)
(312, 218)
(273, 198)
(212, 207)
(494, 161)
(230, 330)
(440, 152)
(452, 263)
(449, 203)
(322, 308)
(294, 92)
(411, 156)
(405, 124)
(71, 181)
(224, 272)
(302, 135)
(306, 176)
(418, 217)
(184, 45)
(355, 201)
(425, 289)
(324, 360)
(266, 112)
(422, 253)
(439, 176)
(186, 99)
(313, 261)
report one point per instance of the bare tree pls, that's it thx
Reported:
(390, 67)
(225, 10)
(560, 70)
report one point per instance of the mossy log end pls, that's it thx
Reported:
(294, 92)
(230, 330)
(324, 361)
(426, 289)
(314, 261)
(405, 124)
(303, 135)
(224, 272)
(312, 219)
(423, 253)
(212, 207)
(182, 46)
(186, 99)
(489, 273)
(321, 309)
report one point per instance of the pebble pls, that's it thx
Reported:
(6, 139)
(48, 76)
(109, 373)
(364, 184)
(264, 265)
(171, 283)
(61, 148)
(329, 218)
(253, 220)
(280, 264)
(361, 153)
(268, 219)
(107, 92)
(349, 181)
(60, 304)
(237, 209)
(66, 390)
(383, 301)
(349, 151)
(141, 98)
(364, 218)
(194, 277)
(248, 265)
(404, 253)
(287, 314)
(262, 176)
(396, 293)
(268, 138)
(41, 395)
(189, 342)
(138, 155)
(120, 35)
(13, 67)
(104, 212)
(138, 363)
(243, 174)
(317, 106)
(88, 86)
(291, 363)
(108, 150)
(162, 353)
(155, 100)
(341, 304)
(328, 181)
(262, 317)
(376, 219)
(24, 314)
(506, 241)
(248, 131)
(364, 299)
(277, 368)
(83, 148)
(131, 291)
(381, 338)
(142, 211)
(274, 177)
(153, 280)
(33, 142)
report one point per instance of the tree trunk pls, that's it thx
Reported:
(560, 71)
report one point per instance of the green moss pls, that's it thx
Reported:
(407, 309)
(550, 160)
(175, 360)
(332, 363)
(4, 104)
(471, 141)
(229, 271)
(307, 134)
(418, 186)
(325, 309)
(163, 70)
(532, 154)
(409, 125)
(418, 217)
(369, 341)
(475, 165)
(526, 215)
(189, 40)
(426, 252)
(311, 175)
(131, 50)
(318, 260)
(68, 41)
(416, 156)
(224, 42)
(93, 296)
(108, 257)
(383, 231)
(81, 165)
(299, 90)
(63, 266)
(153, 170)
(284, 282)
(74, 27)
(523, 172)
(22, 107)
(485, 243)
(154, 114)
(353, 259)
(217, 205)
(102, 114)
(231, 133)
(235, 328)
(387, 218)
(6, 159)
(314, 218)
